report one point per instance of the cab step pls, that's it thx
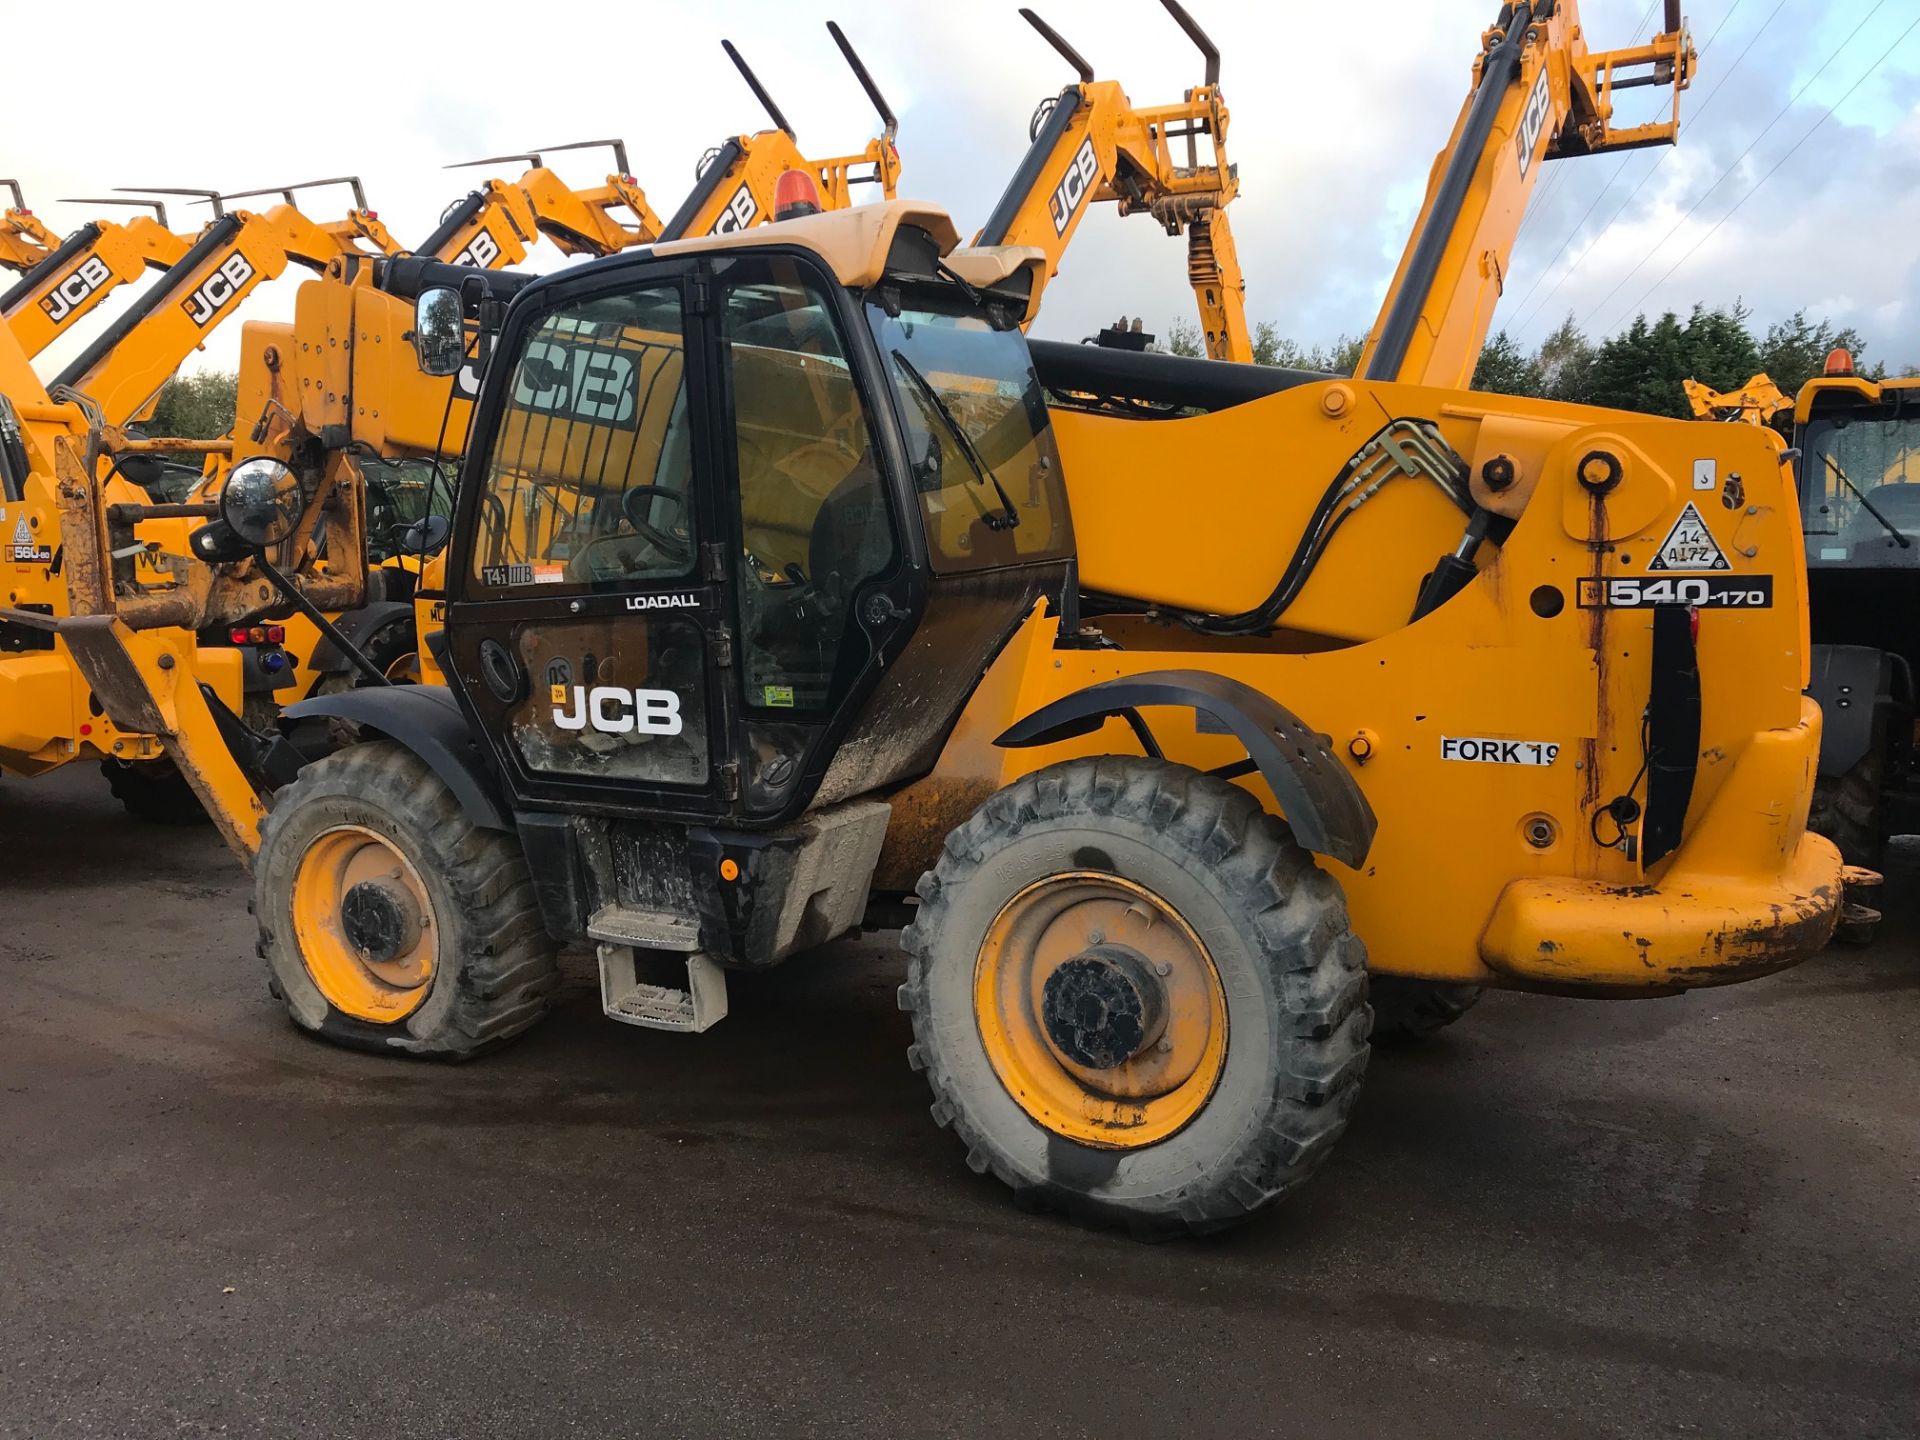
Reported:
(643, 929)
(628, 999)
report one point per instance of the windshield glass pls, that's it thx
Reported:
(978, 437)
(1859, 485)
(399, 492)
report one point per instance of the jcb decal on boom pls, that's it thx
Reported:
(1074, 187)
(481, 252)
(1533, 120)
(73, 289)
(742, 210)
(217, 291)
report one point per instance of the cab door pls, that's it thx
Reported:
(587, 614)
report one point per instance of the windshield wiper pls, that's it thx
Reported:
(1009, 517)
(1866, 504)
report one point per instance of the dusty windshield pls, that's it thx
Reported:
(1860, 489)
(979, 442)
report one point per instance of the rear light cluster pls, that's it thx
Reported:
(258, 634)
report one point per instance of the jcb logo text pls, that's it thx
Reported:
(742, 210)
(481, 252)
(1533, 120)
(73, 290)
(615, 711)
(1074, 187)
(218, 289)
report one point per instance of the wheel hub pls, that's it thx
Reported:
(1100, 1010)
(379, 920)
(1103, 1007)
(364, 923)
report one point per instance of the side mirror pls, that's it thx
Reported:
(262, 502)
(439, 331)
(425, 536)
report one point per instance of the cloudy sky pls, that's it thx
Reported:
(1335, 123)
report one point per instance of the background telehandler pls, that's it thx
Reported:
(335, 391)
(1857, 443)
(53, 296)
(1090, 144)
(25, 239)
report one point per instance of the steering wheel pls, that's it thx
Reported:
(675, 547)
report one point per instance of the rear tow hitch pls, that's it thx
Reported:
(1858, 919)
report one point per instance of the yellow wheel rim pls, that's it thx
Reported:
(364, 924)
(1100, 1009)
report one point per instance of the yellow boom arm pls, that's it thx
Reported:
(25, 239)
(1755, 403)
(86, 267)
(1090, 144)
(1539, 94)
(734, 182)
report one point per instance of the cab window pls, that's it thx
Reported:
(589, 481)
(978, 435)
(814, 523)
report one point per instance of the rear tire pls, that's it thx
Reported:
(1211, 870)
(1848, 810)
(1406, 1010)
(154, 791)
(388, 920)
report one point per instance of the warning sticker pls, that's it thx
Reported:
(1689, 546)
(25, 552)
(1500, 752)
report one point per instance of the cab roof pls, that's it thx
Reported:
(856, 243)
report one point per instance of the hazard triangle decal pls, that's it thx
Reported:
(1689, 546)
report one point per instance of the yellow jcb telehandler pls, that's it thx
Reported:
(778, 597)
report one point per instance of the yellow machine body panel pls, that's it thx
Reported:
(1489, 735)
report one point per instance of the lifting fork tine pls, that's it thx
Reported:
(759, 90)
(1059, 42)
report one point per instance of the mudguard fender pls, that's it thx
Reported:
(357, 625)
(427, 720)
(1322, 802)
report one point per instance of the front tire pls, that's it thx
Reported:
(1848, 809)
(1135, 997)
(1405, 1011)
(388, 920)
(154, 791)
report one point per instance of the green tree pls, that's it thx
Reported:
(1565, 363)
(1505, 369)
(1183, 338)
(1719, 348)
(195, 407)
(1795, 350)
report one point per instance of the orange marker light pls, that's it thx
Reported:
(729, 869)
(1839, 361)
(795, 194)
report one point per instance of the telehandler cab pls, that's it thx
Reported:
(778, 598)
